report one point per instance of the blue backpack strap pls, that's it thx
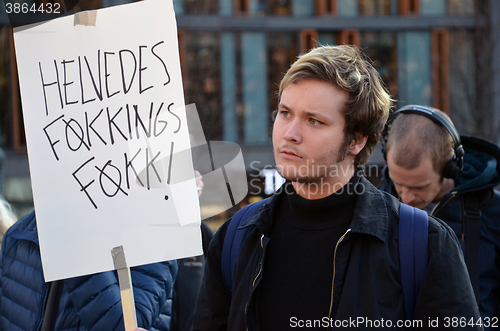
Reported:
(413, 237)
(234, 240)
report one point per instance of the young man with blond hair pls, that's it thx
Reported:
(323, 251)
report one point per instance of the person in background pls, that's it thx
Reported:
(188, 281)
(432, 167)
(85, 303)
(7, 217)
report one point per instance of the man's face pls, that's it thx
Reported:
(308, 133)
(416, 187)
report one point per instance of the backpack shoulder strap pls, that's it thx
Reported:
(471, 217)
(234, 240)
(413, 237)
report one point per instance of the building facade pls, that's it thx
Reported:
(441, 53)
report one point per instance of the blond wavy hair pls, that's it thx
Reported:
(346, 67)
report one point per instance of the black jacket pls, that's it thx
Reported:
(187, 285)
(367, 282)
(475, 200)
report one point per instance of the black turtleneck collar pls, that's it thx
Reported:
(329, 211)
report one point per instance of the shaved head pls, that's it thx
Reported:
(413, 137)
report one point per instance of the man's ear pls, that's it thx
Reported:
(357, 145)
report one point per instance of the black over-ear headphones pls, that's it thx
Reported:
(454, 166)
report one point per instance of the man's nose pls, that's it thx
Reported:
(293, 132)
(407, 196)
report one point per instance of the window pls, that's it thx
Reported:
(308, 40)
(241, 7)
(275, 7)
(461, 7)
(326, 7)
(409, 7)
(201, 76)
(282, 52)
(464, 73)
(440, 64)
(201, 7)
(374, 7)
(349, 37)
(12, 129)
(381, 48)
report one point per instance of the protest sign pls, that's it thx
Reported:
(104, 115)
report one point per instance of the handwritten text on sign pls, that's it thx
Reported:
(69, 82)
(108, 142)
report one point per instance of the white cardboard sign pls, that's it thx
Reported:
(105, 121)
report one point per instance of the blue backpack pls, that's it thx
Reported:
(413, 232)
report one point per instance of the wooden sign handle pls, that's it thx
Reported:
(126, 289)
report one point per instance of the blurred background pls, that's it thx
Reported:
(440, 53)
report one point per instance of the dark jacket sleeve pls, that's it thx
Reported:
(187, 285)
(446, 296)
(212, 310)
(98, 303)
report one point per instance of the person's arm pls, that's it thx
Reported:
(212, 310)
(98, 303)
(199, 182)
(446, 299)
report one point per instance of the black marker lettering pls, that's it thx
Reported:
(52, 144)
(138, 121)
(49, 84)
(84, 188)
(178, 118)
(141, 69)
(81, 82)
(98, 92)
(165, 123)
(129, 122)
(150, 164)
(111, 180)
(164, 65)
(89, 126)
(78, 135)
(106, 75)
(170, 162)
(65, 83)
(111, 121)
(125, 89)
(128, 164)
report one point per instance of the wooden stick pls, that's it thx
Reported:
(126, 289)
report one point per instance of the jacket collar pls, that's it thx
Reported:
(370, 202)
(25, 228)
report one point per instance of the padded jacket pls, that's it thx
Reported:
(474, 196)
(89, 302)
(366, 279)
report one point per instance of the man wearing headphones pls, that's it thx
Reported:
(429, 166)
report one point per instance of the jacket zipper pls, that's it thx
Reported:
(256, 277)
(260, 269)
(333, 278)
(438, 207)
